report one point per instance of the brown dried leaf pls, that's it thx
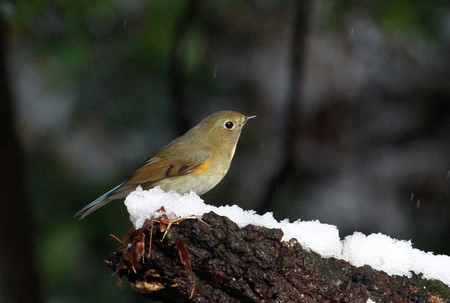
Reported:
(182, 251)
(186, 261)
(133, 246)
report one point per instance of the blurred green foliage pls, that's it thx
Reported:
(413, 17)
(114, 58)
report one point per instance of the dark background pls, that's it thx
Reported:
(353, 127)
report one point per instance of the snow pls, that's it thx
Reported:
(377, 250)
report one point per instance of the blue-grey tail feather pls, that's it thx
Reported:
(99, 202)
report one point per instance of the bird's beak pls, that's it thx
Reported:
(248, 118)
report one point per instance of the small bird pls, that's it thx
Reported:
(197, 161)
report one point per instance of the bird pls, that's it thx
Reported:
(196, 161)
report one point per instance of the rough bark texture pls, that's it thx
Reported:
(220, 262)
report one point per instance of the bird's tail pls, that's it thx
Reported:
(113, 194)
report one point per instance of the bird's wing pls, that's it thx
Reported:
(159, 167)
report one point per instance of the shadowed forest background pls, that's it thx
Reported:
(353, 121)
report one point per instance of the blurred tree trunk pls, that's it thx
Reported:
(177, 67)
(19, 276)
(302, 10)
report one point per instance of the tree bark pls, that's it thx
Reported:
(216, 261)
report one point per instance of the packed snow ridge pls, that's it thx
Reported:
(377, 250)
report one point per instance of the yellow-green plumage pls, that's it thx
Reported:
(197, 161)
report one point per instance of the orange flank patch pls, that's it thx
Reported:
(201, 167)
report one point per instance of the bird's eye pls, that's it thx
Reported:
(229, 124)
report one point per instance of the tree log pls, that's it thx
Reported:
(213, 260)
